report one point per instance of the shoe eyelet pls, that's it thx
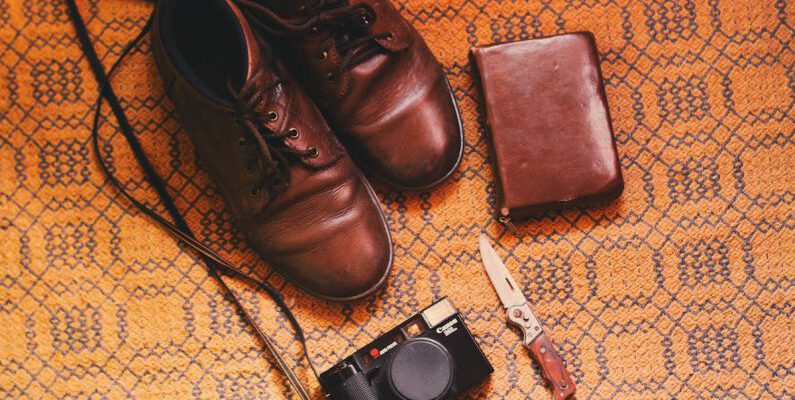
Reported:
(390, 37)
(312, 152)
(322, 56)
(293, 133)
(273, 116)
(242, 142)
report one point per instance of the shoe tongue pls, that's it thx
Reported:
(299, 8)
(255, 56)
(287, 8)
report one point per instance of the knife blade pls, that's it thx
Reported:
(506, 287)
(520, 315)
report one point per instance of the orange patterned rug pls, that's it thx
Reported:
(681, 290)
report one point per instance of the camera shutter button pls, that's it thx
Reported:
(421, 369)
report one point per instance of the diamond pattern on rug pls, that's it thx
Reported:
(683, 289)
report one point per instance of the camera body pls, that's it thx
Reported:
(430, 356)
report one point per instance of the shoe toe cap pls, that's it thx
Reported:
(432, 158)
(339, 248)
(419, 146)
(351, 267)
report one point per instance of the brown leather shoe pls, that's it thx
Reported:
(375, 79)
(294, 192)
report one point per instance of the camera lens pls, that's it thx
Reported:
(421, 369)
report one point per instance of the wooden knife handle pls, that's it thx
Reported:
(552, 367)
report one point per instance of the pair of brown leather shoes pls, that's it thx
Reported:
(258, 115)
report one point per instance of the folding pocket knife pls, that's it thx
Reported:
(521, 316)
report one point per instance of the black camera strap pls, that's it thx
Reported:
(216, 265)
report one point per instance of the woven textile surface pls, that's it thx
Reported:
(682, 289)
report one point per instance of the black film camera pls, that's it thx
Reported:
(431, 356)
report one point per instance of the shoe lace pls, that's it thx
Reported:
(348, 24)
(273, 154)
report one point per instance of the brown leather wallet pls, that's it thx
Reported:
(551, 136)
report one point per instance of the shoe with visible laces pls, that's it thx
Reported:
(291, 187)
(376, 81)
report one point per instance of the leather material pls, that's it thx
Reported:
(395, 112)
(550, 126)
(325, 232)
